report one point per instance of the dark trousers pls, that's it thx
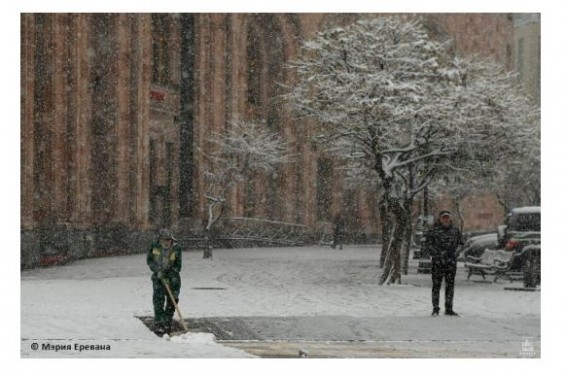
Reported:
(163, 307)
(337, 239)
(447, 272)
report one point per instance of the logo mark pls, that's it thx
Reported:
(527, 347)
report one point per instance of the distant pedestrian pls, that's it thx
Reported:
(443, 240)
(164, 258)
(338, 230)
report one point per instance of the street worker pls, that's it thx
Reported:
(164, 258)
(443, 240)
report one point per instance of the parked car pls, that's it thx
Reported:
(521, 233)
(476, 245)
(531, 265)
(521, 228)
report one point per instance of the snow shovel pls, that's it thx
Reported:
(166, 285)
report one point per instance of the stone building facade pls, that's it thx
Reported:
(115, 108)
(527, 48)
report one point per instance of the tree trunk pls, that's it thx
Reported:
(208, 226)
(456, 202)
(392, 266)
(385, 231)
(408, 233)
(207, 244)
(502, 202)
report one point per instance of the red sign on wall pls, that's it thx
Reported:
(156, 95)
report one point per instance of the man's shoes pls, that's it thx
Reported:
(451, 313)
(435, 312)
(159, 331)
(168, 329)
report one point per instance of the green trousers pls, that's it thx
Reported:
(162, 306)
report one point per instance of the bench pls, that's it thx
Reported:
(499, 263)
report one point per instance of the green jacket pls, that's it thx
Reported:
(165, 260)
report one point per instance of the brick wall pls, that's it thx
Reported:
(87, 138)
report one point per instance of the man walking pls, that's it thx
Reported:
(338, 230)
(443, 240)
(164, 260)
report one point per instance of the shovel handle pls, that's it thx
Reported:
(166, 285)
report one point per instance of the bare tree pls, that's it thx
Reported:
(390, 100)
(244, 149)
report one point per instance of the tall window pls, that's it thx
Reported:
(104, 105)
(250, 204)
(161, 33)
(187, 168)
(41, 106)
(254, 68)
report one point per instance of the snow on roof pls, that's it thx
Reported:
(484, 237)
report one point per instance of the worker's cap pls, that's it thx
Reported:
(166, 234)
(445, 213)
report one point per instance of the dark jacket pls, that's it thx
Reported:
(339, 224)
(165, 260)
(443, 243)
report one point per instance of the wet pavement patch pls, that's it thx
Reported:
(357, 329)
(291, 328)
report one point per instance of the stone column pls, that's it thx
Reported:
(122, 91)
(82, 118)
(142, 141)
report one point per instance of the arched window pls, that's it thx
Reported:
(161, 33)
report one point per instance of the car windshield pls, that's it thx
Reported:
(524, 222)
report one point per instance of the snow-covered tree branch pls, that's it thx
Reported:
(388, 98)
(232, 156)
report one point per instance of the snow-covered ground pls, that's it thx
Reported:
(319, 297)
